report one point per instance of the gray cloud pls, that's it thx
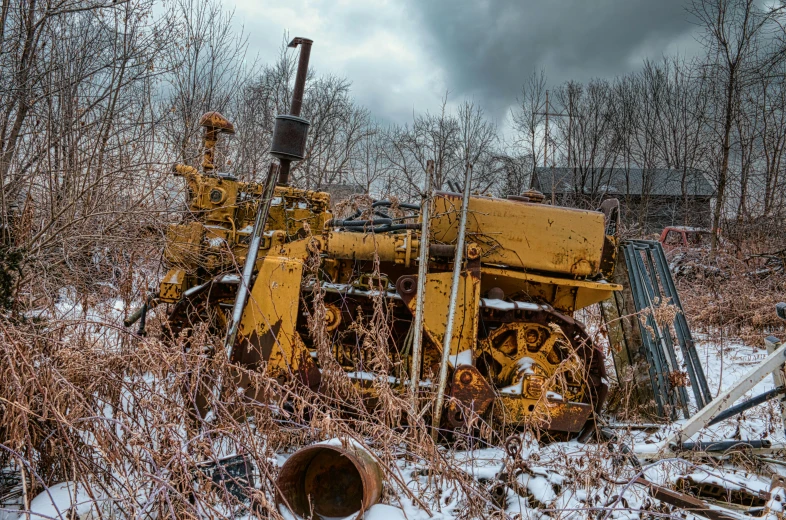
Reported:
(402, 55)
(489, 47)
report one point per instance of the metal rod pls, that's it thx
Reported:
(683, 325)
(251, 258)
(423, 256)
(448, 337)
(653, 361)
(688, 503)
(728, 397)
(746, 405)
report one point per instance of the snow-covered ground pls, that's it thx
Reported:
(560, 480)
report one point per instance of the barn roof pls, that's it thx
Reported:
(623, 181)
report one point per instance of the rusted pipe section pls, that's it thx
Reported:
(330, 480)
(302, 72)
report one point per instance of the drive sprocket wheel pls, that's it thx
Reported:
(544, 367)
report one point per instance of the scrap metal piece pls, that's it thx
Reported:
(652, 286)
(739, 495)
(686, 502)
(727, 398)
(780, 310)
(729, 445)
(567, 417)
(329, 480)
(234, 474)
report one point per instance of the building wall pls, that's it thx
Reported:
(653, 213)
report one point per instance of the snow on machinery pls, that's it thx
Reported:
(516, 352)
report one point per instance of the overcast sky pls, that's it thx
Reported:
(402, 56)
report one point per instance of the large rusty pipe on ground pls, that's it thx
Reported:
(330, 479)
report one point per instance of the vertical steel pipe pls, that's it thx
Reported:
(251, 258)
(423, 257)
(448, 337)
(302, 73)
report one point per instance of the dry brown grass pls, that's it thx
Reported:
(735, 301)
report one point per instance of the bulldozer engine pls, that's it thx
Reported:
(517, 354)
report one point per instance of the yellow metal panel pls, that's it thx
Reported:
(346, 245)
(564, 294)
(267, 328)
(182, 244)
(171, 288)
(436, 310)
(524, 235)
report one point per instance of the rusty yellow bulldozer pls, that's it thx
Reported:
(490, 309)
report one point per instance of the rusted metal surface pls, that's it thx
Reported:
(213, 123)
(567, 417)
(289, 138)
(302, 73)
(686, 502)
(736, 494)
(330, 480)
(564, 242)
(468, 391)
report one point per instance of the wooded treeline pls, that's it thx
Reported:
(99, 97)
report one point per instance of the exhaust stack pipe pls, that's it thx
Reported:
(332, 480)
(291, 131)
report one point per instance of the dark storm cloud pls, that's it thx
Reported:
(403, 55)
(488, 48)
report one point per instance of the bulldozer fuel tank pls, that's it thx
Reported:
(524, 235)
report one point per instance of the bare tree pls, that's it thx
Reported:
(451, 141)
(732, 29)
(528, 117)
(205, 56)
(594, 146)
